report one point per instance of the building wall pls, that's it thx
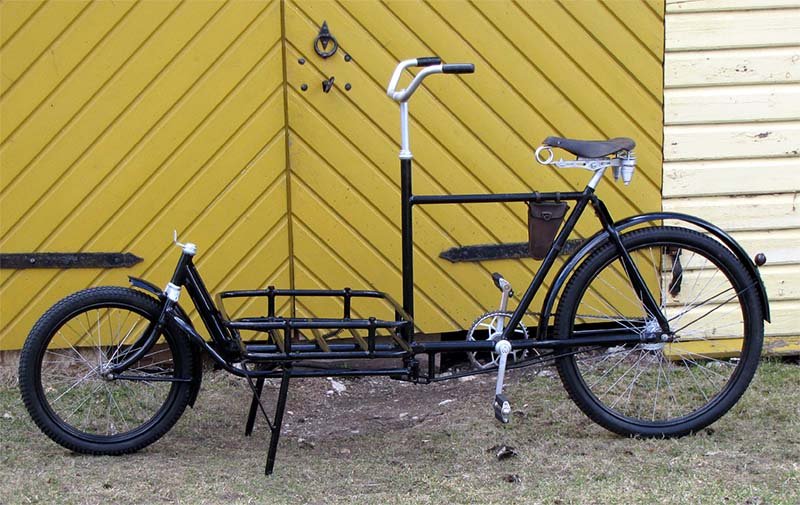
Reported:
(121, 121)
(732, 133)
(571, 68)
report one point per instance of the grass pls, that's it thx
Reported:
(384, 442)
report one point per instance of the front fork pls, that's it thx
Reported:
(149, 337)
(144, 343)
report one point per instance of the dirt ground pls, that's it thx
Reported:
(374, 440)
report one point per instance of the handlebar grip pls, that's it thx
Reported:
(427, 61)
(458, 68)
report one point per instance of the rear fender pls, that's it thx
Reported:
(196, 350)
(599, 239)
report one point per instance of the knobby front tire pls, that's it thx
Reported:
(662, 389)
(65, 392)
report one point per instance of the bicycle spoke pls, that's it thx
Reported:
(98, 406)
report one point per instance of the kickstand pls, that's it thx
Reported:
(251, 416)
(275, 424)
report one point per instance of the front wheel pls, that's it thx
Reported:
(669, 388)
(71, 397)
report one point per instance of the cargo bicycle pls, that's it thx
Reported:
(655, 329)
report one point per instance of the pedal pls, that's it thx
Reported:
(502, 409)
(504, 286)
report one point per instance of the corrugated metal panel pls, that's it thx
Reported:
(732, 134)
(572, 68)
(122, 121)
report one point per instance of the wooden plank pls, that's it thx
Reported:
(177, 125)
(131, 152)
(657, 6)
(674, 6)
(84, 111)
(714, 30)
(704, 142)
(732, 66)
(609, 34)
(718, 349)
(781, 281)
(725, 177)
(781, 247)
(785, 320)
(742, 212)
(13, 15)
(647, 24)
(30, 42)
(35, 83)
(732, 104)
(587, 57)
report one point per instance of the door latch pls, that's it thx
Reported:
(323, 39)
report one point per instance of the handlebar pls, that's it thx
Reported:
(432, 65)
(428, 61)
(458, 68)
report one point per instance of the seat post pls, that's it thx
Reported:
(595, 180)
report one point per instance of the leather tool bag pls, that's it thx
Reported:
(544, 220)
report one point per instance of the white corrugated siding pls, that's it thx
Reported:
(732, 131)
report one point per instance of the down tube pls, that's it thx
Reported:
(547, 264)
(205, 306)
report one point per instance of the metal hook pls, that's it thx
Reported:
(327, 84)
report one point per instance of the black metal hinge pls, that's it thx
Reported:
(67, 260)
(499, 251)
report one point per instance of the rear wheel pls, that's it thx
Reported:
(667, 388)
(65, 386)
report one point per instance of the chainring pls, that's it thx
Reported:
(488, 322)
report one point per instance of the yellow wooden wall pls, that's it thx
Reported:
(542, 68)
(122, 121)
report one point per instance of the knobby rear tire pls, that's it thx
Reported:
(68, 398)
(672, 389)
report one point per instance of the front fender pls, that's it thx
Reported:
(601, 237)
(197, 351)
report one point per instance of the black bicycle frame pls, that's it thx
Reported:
(409, 200)
(226, 348)
(283, 358)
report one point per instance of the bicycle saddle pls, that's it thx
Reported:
(591, 148)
